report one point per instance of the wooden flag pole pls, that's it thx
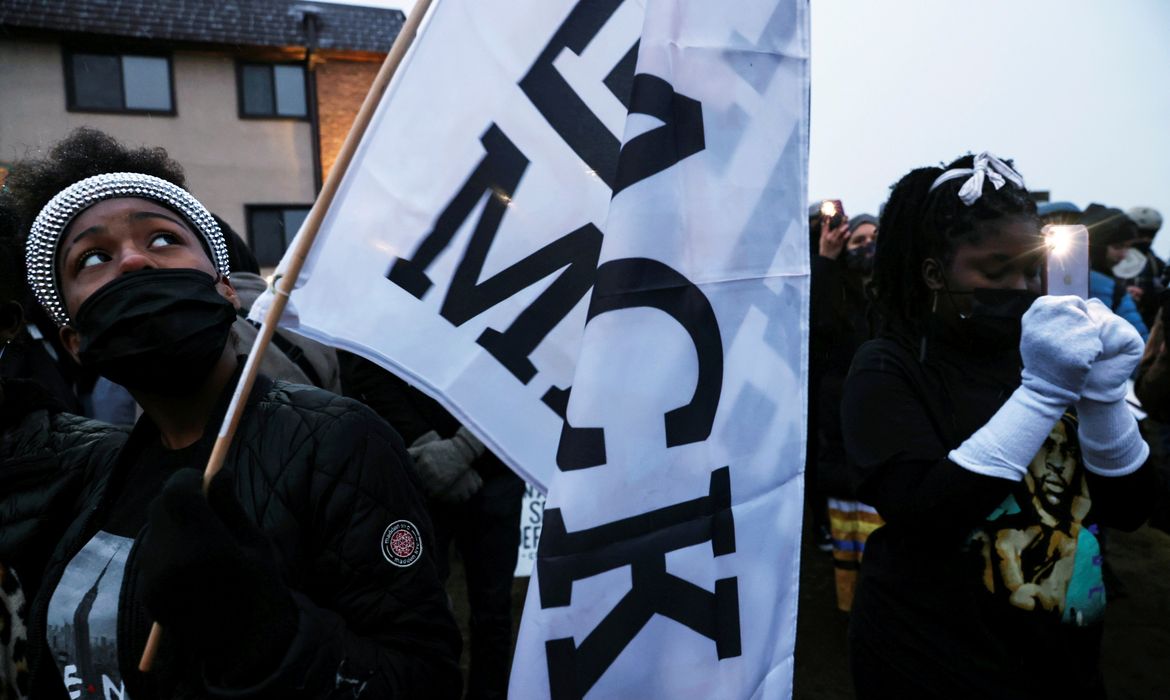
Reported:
(284, 284)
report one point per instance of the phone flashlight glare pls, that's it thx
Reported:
(1059, 240)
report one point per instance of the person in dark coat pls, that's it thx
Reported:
(841, 323)
(46, 458)
(828, 237)
(474, 501)
(989, 428)
(306, 571)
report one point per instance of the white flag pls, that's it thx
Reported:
(669, 556)
(463, 241)
(488, 244)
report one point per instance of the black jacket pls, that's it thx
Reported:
(47, 459)
(935, 614)
(324, 478)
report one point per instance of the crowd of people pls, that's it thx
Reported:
(970, 438)
(969, 442)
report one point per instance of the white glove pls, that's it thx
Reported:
(1058, 346)
(1111, 442)
(1121, 351)
(1059, 343)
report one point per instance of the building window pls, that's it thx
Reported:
(269, 90)
(118, 82)
(271, 229)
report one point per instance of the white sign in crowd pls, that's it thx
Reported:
(580, 225)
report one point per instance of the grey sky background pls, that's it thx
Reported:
(1076, 91)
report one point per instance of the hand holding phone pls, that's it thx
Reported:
(833, 209)
(1068, 260)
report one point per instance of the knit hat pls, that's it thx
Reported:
(1148, 219)
(860, 219)
(1108, 225)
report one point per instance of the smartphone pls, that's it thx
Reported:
(833, 209)
(1067, 252)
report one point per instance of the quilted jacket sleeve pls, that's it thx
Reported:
(374, 621)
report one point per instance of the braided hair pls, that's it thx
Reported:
(918, 224)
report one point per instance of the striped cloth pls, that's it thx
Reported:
(850, 523)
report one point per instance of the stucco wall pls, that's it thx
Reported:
(229, 161)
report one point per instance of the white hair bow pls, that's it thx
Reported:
(987, 167)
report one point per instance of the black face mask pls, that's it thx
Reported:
(994, 322)
(159, 331)
(860, 260)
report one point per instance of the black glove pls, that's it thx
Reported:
(209, 577)
(444, 467)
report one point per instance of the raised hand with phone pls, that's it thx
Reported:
(834, 229)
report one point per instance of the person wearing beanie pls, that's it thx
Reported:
(843, 324)
(1143, 271)
(1059, 213)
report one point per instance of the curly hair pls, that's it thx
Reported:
(84, 153)
(918, 224)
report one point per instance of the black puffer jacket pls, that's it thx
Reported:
(48, 459)
(324, 478)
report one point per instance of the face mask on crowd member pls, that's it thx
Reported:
(139, 284)
(988, 281)
(861, 244)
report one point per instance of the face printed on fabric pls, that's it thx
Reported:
(1052, 471)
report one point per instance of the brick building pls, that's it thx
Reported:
(253, 97)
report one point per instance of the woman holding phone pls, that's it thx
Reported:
(989, 430)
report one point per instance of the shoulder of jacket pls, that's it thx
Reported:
(882, 354)
(318, 408)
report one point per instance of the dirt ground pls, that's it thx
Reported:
(1136, 659)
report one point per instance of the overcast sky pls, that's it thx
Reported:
(1076, 91)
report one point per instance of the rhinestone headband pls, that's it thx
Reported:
(55, 217)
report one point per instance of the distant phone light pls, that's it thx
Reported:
(828, 208)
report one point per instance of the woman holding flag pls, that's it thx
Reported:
(989, 429)
(306, 570)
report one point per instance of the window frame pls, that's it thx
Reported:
(250, 233)
(68, 52)
(242, 62)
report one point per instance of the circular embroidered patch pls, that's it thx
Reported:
(401, 543)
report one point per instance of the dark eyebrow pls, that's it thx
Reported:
(83, 234)
(137, 216)
(140, 215)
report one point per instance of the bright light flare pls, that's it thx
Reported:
(828, 208)
(1059, 240)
